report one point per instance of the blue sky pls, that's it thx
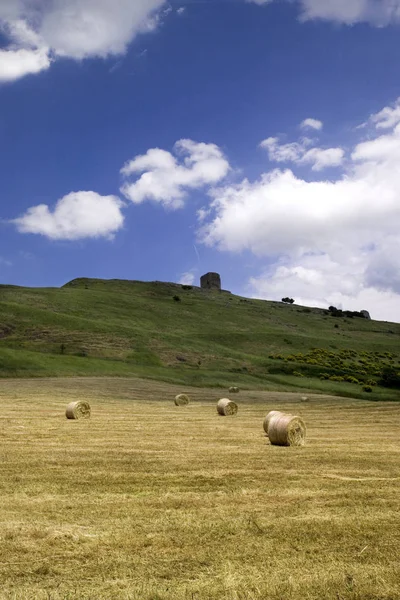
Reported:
(154, 140)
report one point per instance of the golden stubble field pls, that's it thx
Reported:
(148, 501)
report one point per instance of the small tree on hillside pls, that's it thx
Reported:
(288, 300)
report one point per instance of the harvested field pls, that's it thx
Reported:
(147, 502)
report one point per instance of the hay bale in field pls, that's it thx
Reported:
(286, 430)
(304, 399)
(78, 410)
(269, 416)
(226, 407)
(182, 400)
(233, 390)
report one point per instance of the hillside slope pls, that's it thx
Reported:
(97, 327)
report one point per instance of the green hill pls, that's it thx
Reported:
(122, 328)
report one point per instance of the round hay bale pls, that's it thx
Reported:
(182, 400)
(226, 407)
(78, 410)
(304, 399)
(233, 390)
(269, 416)
(286, 430)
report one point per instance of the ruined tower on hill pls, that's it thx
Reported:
(210, 281)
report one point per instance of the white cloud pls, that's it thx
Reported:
(76, 216)
(317, 278)
(76, 29)
(346, 11)
(326, 241)
(383, 268)
(312, 124)
(321, 159)
(298, 153)
(322, 282)
(15, 64)
(86, 28)
(82, 29)
(167, 180)
(202, 214)
(376, 12)
(21, 33)
(187, 278)
(282, 152)
(388, 117)
(9, 9)
(25, 55)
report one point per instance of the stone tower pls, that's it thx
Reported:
(210, 281)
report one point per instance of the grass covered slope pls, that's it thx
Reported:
(97, 327)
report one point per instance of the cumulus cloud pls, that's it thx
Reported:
(376, 12)
(388, 117)
(15, 64)
(26, 53)
(187, 278)
(300, 153)
(75, 29)
(166, 178)
(320, 159)
(76, 216)
(86, 28)
(326, 241)
(383, 268)
(322, 282)
(283, 152)
(80, 29)
(312, 124)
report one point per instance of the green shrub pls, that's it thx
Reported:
(351, 379)
(367, 388)
(298, 374)
(390, 378)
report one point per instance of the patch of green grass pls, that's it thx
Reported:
(122, 328)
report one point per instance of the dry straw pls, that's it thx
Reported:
(226, 407)
(182, 400)
(286, 430)
(78, 410)
(233, 390)
(269, 416)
